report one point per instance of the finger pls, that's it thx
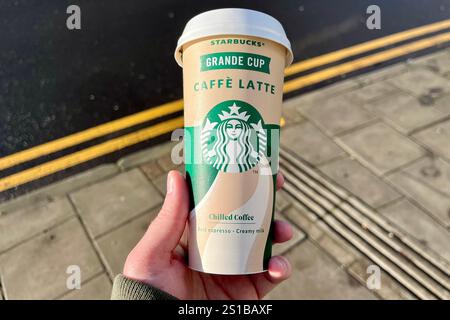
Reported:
(279, 270)
(183, 241)
(180, 254)
(164, 233)
(282, 231)
(280, 180)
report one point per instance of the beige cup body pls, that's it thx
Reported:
(232, 108)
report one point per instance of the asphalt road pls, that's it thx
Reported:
(54, 82)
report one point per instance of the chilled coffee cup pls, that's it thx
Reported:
(233, 69)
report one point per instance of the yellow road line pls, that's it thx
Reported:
(361, 63)
(89, 154)
(165, 109)
(295, 84)
(89, 134)
(365, 47)
(167, 126)
(92, 153)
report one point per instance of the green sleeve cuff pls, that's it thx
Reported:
(128, 289)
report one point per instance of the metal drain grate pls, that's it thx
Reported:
(421, 271)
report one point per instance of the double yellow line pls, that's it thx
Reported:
(175, 106)
(364, 62)
(366, 47)
(89, 153)
(89, 134)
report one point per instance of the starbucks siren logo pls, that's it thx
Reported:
(233, 138)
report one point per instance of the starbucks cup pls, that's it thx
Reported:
(233, 62)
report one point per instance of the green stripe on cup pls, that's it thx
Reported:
(234, 60)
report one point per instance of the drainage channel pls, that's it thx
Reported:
(423, 272)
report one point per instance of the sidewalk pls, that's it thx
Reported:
(383, 136)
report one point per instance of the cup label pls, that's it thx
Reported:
(232, 94)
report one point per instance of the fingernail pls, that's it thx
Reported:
(287, 267)
(282, 264)
(170, 183)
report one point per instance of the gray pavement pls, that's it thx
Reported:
(383, 136)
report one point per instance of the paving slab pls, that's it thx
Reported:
(437, 138)
(405, 112)
(309, 143)
(161, 183)
(146, 155)
(443, 104)
(371, 92)
(37, 268)
(318, 232)
(421, 82)
(166, 163)
(61, 188)
(436, 203)
(335, 245)
(108, 204)
(291, 114)
(304, 219)
(337, 115)
(381, 74)
(381, 148)
(282, 200)
(297, 236)
(117, 244)
(24, 223)
(98, 288)
(347, 257)
(433, 172)
(316, 276)
(420, 226)
(360, 181)
(438, 62)
(389, 288)
(151, 169)
(328, 92)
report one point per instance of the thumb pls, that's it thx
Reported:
(164, 233)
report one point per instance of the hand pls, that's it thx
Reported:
(159, 257)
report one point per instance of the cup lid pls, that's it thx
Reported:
(234, 22)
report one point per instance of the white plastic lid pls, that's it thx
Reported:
(234, 22)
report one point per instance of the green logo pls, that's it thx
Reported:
(233, 137)
(235, 60)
